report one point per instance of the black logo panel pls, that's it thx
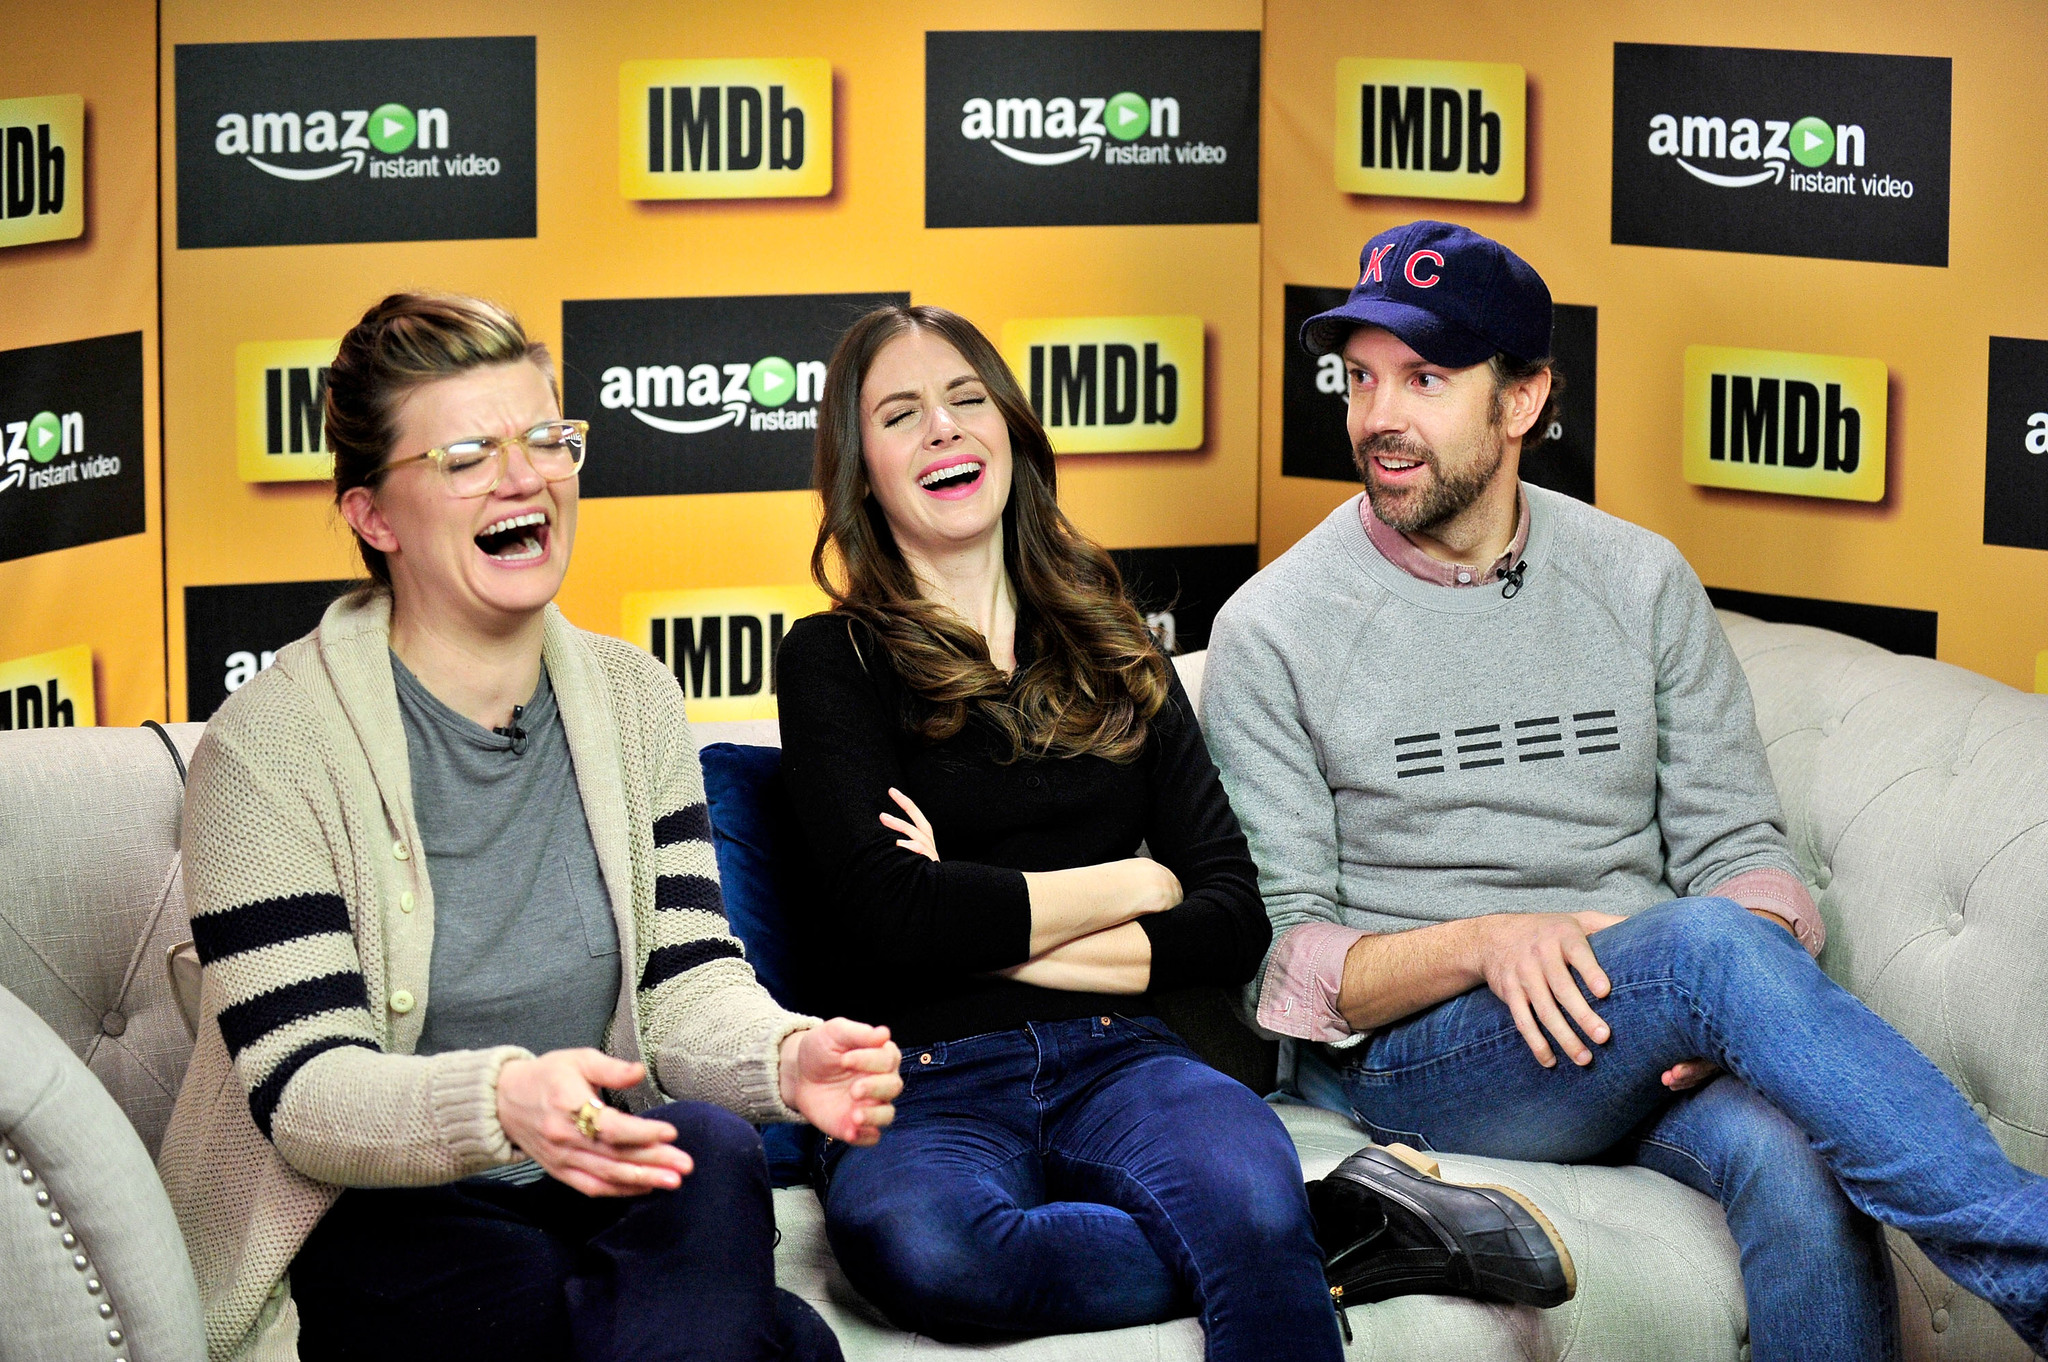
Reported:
(2016, 445)
(688, 395)
(234, 632)
(1179, 590)
(282, 144)
(1053, 129)
(1842, 155)
(70, 444)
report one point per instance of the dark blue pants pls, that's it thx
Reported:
(542, 1272)
(1827, 1122)
(1081, 1175)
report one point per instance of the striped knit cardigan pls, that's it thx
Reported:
(313, 915)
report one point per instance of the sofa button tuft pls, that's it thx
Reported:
(1955, 924)
(401, 1001)
(1983, 1112)
(113, 1024)
(11, 1154)
(1941, 1320)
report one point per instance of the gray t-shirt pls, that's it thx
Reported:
(525, 949)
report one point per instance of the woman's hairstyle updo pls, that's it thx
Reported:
(404, 341)
(1095, 679)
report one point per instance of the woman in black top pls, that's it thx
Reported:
(978, 740)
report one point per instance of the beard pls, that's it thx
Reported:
(1440, 497)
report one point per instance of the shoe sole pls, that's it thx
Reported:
(1430, 1168)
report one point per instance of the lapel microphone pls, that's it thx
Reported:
(1510, 577)
(518, 734)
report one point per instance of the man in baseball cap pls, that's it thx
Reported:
(1500, 772)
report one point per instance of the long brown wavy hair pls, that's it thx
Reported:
(1095, 680)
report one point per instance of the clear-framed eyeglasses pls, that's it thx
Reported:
(474, 467)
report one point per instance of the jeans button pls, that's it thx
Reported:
(925, 1058)
(1105, 1021)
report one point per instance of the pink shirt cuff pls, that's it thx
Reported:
(1780, 893)
(1304, 970)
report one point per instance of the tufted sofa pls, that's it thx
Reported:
(1918, 801)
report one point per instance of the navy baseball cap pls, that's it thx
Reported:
(1457, 298)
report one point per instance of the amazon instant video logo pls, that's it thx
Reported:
(689, 395)
(293, 143)
(1027, 129)
(1835, 154)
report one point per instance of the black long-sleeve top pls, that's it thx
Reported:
(894, 938)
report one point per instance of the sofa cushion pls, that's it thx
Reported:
(751, 830)
(1658, 1277)
(84, 1224)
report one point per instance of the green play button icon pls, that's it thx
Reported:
(1813, 142)
(772, 382)
(392, 128)
(45, 436)
(1128, 116)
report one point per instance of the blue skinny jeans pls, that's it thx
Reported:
(1081, 1175)
(1826, 1123)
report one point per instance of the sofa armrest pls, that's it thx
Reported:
(94, 1264)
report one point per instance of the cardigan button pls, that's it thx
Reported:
(400, 850)
(405, 902)
(401, 1002)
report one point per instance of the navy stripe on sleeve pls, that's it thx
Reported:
(691, 824)
(267, 1094)
(688, 891)
(666, 963)
(267, 922)
(252, 1019)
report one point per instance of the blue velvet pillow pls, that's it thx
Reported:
(753, 833)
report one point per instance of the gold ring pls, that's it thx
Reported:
(585, 1118)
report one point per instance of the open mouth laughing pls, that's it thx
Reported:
(516, 540)
(953, 478)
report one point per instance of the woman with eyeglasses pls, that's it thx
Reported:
(478, 1054)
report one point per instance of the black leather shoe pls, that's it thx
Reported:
(1389, 1225)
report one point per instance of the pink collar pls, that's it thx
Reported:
(1396, 548)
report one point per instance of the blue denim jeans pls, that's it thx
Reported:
(1826, 1122)
(1081, 1175)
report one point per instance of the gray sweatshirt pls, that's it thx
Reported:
(1402, 753)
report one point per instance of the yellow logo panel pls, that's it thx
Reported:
(1432, 129)
(1111, 385)
(49, 690)
(720, 643)
(725, 129)
(1772, 421)
(280, 410)
(42, 169)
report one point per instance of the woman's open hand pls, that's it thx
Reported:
(537, 1104)
(842, 1077)
(917, 833)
